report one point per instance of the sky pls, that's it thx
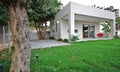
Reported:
(101, 3)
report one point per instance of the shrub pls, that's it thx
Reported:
(65, 40)
(52, 37)
(116, 37)
(74, 38)
(60, 39)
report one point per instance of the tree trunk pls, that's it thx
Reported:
(20, 32)
(37, 29)
(44, 33)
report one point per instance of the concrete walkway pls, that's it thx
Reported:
(46, 44)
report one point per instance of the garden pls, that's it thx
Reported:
(85, 56)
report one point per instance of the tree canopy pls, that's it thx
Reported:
(4, 16)
(43, 9)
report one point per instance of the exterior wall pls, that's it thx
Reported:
(57, 30)
(33, 36)
(118, 33)
(65, 11)
(65, 29)
(91, 11)
(79, 26)
(64, 34)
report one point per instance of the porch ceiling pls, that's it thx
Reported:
(86, 18)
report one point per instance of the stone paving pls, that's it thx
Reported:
(46, 44)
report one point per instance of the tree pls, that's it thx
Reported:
(20, 34)
(106, 27)
(42, 11)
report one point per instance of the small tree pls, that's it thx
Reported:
(106, 28)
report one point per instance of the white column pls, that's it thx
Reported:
(60, 30)
(71, 22)
(112, 33)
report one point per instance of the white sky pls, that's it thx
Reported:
(101, 3)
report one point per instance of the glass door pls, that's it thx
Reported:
(91, 31)
(88, 31)
(85, 31)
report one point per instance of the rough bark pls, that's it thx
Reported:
(20, 33)
(41, 30)
(37, 29)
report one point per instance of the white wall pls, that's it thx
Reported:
(64, 29)
(78, 25)
(65, 11)
(118, 33)
(57, 29)
(91, 11)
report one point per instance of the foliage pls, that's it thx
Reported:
(41, 11)
(52, 37)
(4, 15)
(32, 24)
(60, 39)
(74, 38)
(5, 59)
(65, 40)
(116, 37)
(118, 20)
(106, 26)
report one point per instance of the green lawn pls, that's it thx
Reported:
(90, 56)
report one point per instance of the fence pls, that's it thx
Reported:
(5, 37)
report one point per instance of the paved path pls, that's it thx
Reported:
(46, 44)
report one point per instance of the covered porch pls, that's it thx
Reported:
(82, 26)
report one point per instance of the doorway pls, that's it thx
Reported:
(88, 31)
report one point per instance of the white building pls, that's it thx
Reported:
(80, 20)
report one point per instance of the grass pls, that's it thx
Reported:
(90, 56)
(5, 59)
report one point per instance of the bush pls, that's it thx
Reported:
(74, 38)
(65, 40)
(116, 37)
(60, 39)
(51, 37)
